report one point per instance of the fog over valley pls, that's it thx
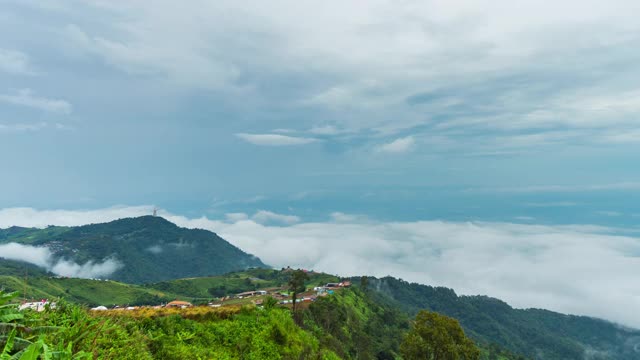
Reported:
(571, 269)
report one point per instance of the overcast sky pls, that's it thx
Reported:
(408, 120)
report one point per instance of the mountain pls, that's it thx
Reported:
(140, 250)
(535, 333)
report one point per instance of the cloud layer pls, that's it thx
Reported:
(441, 67)
(43, 257)
(588, 270)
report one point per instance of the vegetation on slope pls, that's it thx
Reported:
(83, 291)
(233, 283)
(355, 327)
(538, 334)
(435, 336)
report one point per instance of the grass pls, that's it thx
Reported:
(193, 313)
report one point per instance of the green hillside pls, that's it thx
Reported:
(350, 324)
(149, 248)
(372, 317)
(540, 334)
(33, 283)
(218, 286)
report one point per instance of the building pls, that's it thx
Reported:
(179, 304)
(251, 293)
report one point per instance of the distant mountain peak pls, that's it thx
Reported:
(146, 249)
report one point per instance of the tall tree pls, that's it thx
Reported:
(364, 283)
(296, 285)
(437, 337)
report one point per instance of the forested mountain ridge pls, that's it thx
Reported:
(147, 249)
(536, 333)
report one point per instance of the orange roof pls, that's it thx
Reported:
(178, 303)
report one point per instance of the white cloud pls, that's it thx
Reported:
(155, 249)
(39, 256)
(398, 146)
(274, 139)
(579, 269)
(26, 97)
(267, 217)
(15, 62)
(88, 270)
(43, 257)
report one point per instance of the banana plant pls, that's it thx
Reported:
(22, 342)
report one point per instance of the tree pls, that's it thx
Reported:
(364, 283)
(437, 337)
(296, 285)
(269, 302)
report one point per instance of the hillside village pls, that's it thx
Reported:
(251, 287)
(254, 297)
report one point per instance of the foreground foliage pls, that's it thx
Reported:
(24, 338)
(197, 333)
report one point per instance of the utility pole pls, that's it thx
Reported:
(26, 278)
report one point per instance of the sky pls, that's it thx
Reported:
(482, 145)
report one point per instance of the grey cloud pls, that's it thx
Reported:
(446, 68)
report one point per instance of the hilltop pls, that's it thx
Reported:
(142, 250)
